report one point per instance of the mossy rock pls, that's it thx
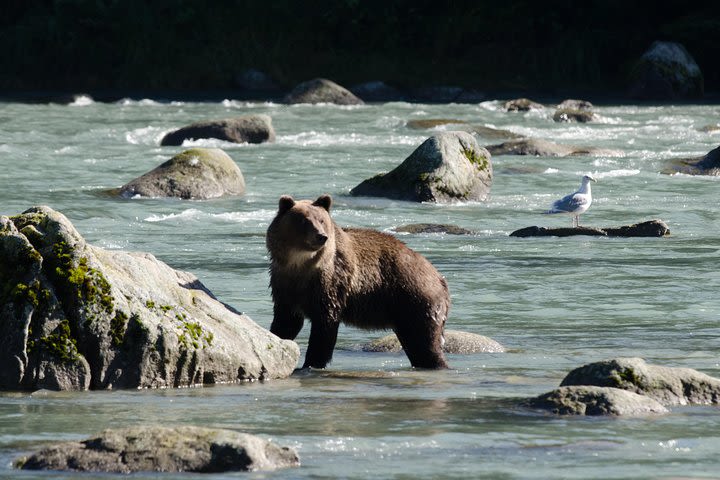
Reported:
(198, 173)
(591, 400)
(74, 317)
(447, 167)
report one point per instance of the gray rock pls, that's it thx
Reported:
(377, 91)
(164, 449)
(712, 128)
(447, 167)
(589, 400)
(545, 148)
(667, 385)
(666, 71)
(651, 228)
(461, 125)
(76, 316)
(433, 228)
(198, 173)
(521, 105)
(574, 104)
(708, 164)
(244, 129)
(456, 342)
(321, 90)
(573, 115)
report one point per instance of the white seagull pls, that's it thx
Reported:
(575, 203)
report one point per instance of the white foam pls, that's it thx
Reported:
(194, 214)
(146, 135)
(623, 172)
(82, 101)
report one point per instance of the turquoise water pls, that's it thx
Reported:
(554, 303)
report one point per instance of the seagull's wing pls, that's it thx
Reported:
(570, 203)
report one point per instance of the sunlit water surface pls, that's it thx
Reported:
(554, 303)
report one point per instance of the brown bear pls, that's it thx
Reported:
(361, 277)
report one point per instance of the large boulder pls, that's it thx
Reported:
(589, 400)
(667, 385)
(545, 148)
(244, 129)
(74, 316)
(321, 90)
(456, 342)
(163, 449)
(708, 164)
(666, 71)
(198, 173)
(447, 167)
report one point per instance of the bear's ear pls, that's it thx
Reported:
(324, 201)
(285, 204)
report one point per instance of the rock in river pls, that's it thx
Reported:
(76, 317)
(708, 164)
(198, 173)
(545, 148)
(590, 400)
(521, 105)
(667, 385)
(456, 342)
(243, 129)
(666, 71)
(447, 167)
(164, 449)
(321, 90)
(651, 228)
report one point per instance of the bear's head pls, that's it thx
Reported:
(301, 230)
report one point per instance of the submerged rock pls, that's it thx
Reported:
(651, 228)
(75, 316)
(427, 123)
(456, 342)
(590, 400)
(575, 104)
(521, 105)
(198, 173)
(321, 90)
(164, 449)
(667, 385)
(434, 228)
(666, 71)
(712, 128)
(448, 166)
(572, 115)
(545, 148)
(244, 129)
(708, 164)
(480, 130)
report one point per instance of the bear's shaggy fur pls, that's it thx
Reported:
(361, 277)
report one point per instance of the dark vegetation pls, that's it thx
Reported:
(189, 45)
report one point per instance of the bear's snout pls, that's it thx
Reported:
(320, 239)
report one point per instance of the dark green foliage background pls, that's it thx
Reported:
(189, 45)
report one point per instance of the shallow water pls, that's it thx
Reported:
(554, 303)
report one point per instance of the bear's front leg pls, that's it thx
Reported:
(323, 335)
(287, 321)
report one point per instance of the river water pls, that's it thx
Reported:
(555, 303)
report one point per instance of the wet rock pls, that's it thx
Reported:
(521, 105)
(590, 400)
(321, 90)
(76, 316)
(713, 128)
(377, 91)
(447, 167)
(198, 173)
(574, 104)
(667, 385)
(545, 148)
(651, 228)
(571, 115)
(456, 342)
(461, 125)
(666, 71)
(244, 129)
(708, 164)
(434, 228)
(164, 449)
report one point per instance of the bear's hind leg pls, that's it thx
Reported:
(422, 346)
